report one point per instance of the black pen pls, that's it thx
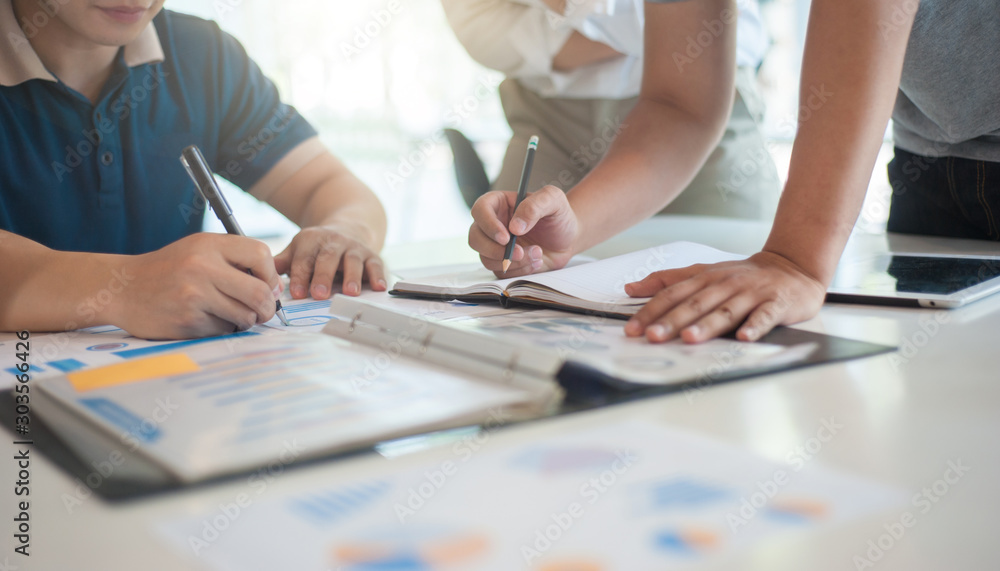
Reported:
(197, 168)
(522, 191)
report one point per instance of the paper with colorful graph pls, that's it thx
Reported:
(630, 496)
(57, 354)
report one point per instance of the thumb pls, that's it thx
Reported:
(283, 261)
(646, 287)
(656, 281)
(549, 201)
(487, 213)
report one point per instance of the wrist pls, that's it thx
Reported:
(586, 234)
(804, 259)
(103, 292)
(359, 231)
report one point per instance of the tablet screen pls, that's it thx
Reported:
(932, 275)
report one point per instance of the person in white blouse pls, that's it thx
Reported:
(574, 69)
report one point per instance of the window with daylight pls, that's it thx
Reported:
(380, 79)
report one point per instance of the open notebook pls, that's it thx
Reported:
(594, 287)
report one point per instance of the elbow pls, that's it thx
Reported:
(716, 119)
(705, 119)
(712, 113)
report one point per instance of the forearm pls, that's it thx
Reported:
(682, 112)
(643, 171)
(851, 73)
(48, 290)
(326, 192)
(346, 201)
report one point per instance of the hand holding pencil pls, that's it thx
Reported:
(522, 191)
(520, 233)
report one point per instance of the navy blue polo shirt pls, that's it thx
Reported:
(107, 177)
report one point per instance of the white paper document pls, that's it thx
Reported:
(242, 405)
(630, 496)
(56, 354)
(600, 342)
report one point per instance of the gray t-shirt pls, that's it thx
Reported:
(949, 96)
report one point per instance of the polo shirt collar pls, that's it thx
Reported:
(20, 63)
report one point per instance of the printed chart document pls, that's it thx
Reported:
(600, 343)
(216, 409)
(597, 287)
(595, 361)
(631, 496)
(208, 409)
(57, 354)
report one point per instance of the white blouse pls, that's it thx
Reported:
(521, 37)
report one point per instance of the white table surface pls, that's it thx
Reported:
(902, 425)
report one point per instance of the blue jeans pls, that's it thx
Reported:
(944, 196)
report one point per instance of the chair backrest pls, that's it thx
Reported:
(470, 174)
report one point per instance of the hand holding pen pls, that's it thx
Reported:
(520, 233)
(197, 168)
(522, 192)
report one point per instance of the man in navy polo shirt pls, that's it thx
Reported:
(99, 223)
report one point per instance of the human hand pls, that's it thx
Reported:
(545, 225)
(316, 254)
(197, 287)
(701, 302)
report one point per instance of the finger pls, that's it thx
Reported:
(516, 269)
(663, 301)
(549, 201)
(497, 265)
(656, 281)
(204, 325)
(762, 320)
(324, 271)
(235, 313)
(283, 261)
(375, 270)
(490, 213)
(253, 255)
(725, 318)
(689, 310)
(521, 261)
(250, 293)
(488, 247)
(353, 265)
(303, 263)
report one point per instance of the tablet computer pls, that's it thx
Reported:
(919, 280)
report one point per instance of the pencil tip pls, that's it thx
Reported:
(506, 265)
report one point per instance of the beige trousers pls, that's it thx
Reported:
(739, 179)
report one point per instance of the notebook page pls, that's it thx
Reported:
(463, 279)
(474, 278)
(604, 281)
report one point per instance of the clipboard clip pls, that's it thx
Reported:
(354, 322)
(508, 373)
(426, 343)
